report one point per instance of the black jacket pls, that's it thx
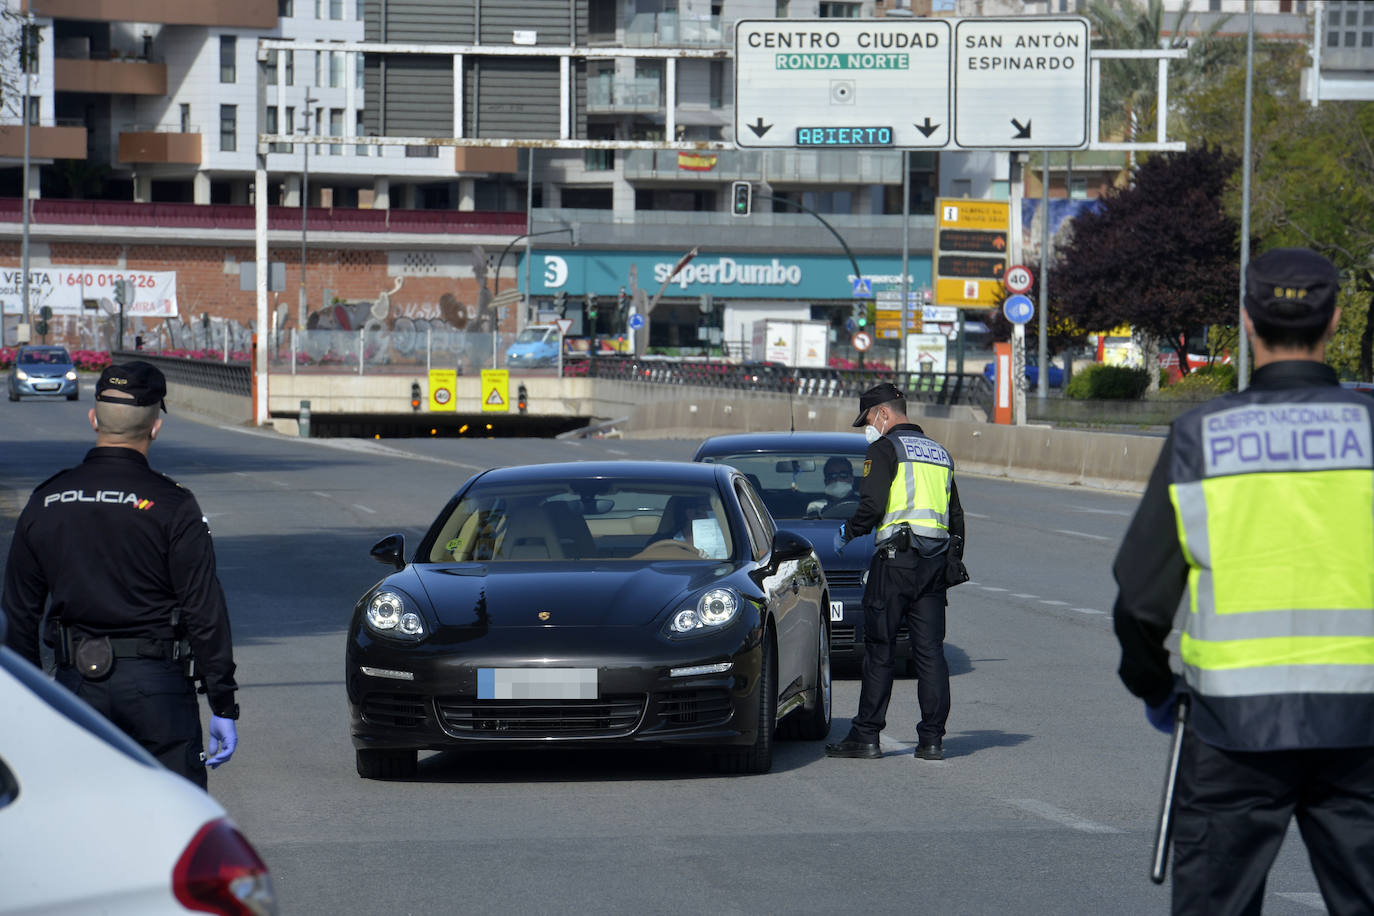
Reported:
(880, 468)
(1151, 572)
(118, 548)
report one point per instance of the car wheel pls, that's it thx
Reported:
(73, 397)
(14, 396)
(758, 758)
(814, 724)
(386, 764)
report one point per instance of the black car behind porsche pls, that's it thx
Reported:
(592, 604)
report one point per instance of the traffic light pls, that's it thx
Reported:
(622, 308)
(560, 301)
(741, 198)
(415, 397)
(591, 307)
(861, 315)
(522, 398)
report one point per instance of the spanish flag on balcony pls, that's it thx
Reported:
(696, 162)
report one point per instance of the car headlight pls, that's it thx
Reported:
(388, 614)
(713, 610)
(71, 375)
(21, 375)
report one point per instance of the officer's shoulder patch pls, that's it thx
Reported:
(868, 463)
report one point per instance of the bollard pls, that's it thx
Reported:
(305, 419)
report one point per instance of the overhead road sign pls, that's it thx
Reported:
(834, 84)
(1021, 83)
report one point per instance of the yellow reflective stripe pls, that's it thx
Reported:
(1186, 498)
(1280, 650)
(1266, 533)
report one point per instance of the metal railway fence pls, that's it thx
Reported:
(941, 388)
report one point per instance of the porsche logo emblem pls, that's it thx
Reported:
(544, 615)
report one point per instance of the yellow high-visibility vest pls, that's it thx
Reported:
(919, 494)
(1273, 491)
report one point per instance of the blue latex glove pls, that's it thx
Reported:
(224, 737)
(1162, 716)
(841, 538)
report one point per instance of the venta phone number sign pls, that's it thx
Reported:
(151, 294)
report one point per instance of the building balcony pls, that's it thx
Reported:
(636, 95)
(44, 142)
(255, 14)
(482, 159)
(673, 30)
(109, 77)
(146, 147)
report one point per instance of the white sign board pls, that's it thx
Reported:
(1021, 83)
(842, 84)
(926, 352)
(64, 289)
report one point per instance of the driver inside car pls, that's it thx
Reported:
(839, 486)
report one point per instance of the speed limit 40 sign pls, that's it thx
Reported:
(1018, 279)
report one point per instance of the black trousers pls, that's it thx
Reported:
(1233, 808)
(152, 701)
(907, 588)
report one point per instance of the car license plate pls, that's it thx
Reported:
(46, 386)
(536, 683)
(836, 611)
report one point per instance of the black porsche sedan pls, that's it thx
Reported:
(647, 604)
(809, 481)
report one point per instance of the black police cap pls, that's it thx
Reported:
(1291, 288)
(880, 393)
(144, 382)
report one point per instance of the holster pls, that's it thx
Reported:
(94, 658)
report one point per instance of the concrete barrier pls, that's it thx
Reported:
(218, 404)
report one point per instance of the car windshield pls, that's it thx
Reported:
(53, 357)
(584, 520)
(812, 485)
(532, 335)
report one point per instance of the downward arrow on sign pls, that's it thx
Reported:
(927, 128)
(759, 128)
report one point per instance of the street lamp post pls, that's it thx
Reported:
(27, 51)
(305, 207)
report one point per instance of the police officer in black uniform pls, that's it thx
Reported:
(908, 496)
(123, 556)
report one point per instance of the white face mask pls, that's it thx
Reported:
(871, 434)
(838, 489)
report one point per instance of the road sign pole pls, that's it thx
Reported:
(1018, 330)
(1042, 383)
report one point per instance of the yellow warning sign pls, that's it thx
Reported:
(496, 390)
(443, 389)
(966, 293)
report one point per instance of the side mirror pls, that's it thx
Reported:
(390, 551)
(788, 545)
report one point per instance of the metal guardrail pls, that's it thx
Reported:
(946, 388)
(230, 378)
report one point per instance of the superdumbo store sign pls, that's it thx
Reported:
(728, 276)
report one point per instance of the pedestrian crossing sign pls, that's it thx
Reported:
(495, 390)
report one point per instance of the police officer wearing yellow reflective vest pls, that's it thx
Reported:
(123, 556)
(909, 499)
(1262, 503)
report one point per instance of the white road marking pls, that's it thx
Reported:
(1310, 899)
(975, 514)
(1088, 610)
(1060, 816)
(616, 451)
(893, 747)
(990, 588)
(1091, 511)
(279, 483)
(1055, 603)
(1082, 534)
(349, 445)
(242, 474)
(365, 508)
(1023, 595)
(322, 495)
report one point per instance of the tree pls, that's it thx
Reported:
(1161, 255)
(1312, 181)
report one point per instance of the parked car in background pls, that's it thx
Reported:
(91, 823)
(1032, 374)
(789, 472)
(43, 371)
(593, 604)
(536, 345)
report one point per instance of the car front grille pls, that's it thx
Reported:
(844, 578)
(604, 718)
(695, 707)
(396, 710)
